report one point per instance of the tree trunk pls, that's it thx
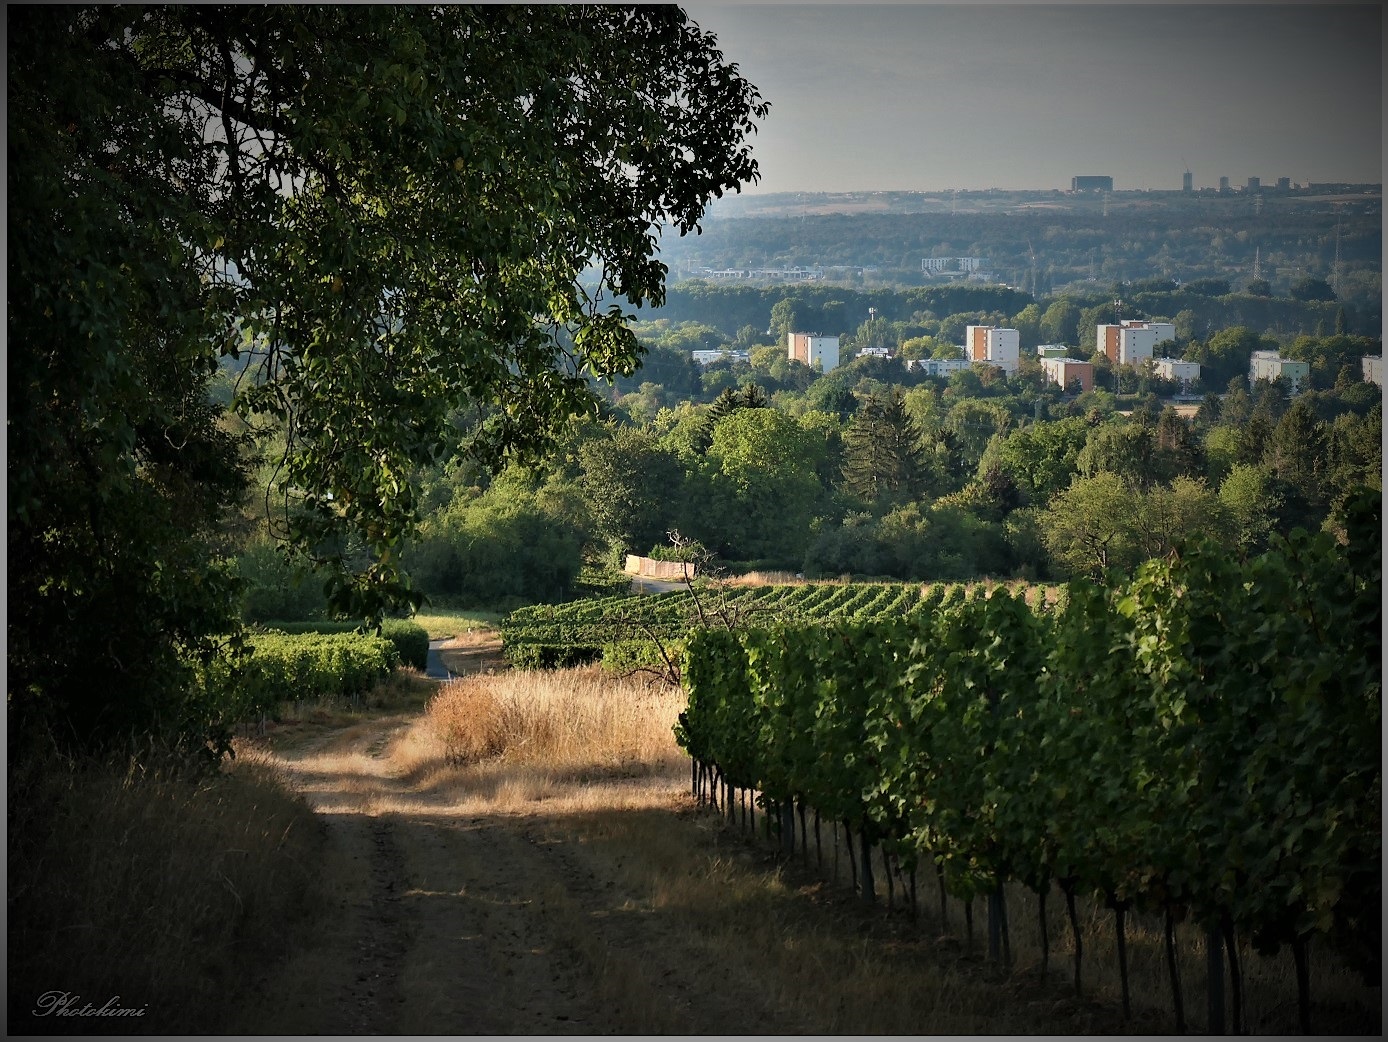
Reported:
(944, 907)
(1235, 975)
(1214, 981)
(1300, 956)
(1045, 931)
(1075, 930)
(788, 828)
(1119, 911)
(1174, 972)
(818, 848)
(887, 871)
(915, 909)
(995, 925)
(852, 857)
(804, 835)
(969, 924)
(869, 890)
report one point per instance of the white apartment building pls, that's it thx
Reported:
(938, 366)
(706, 357)
(1129, 342)
(1052, 351)
(940, 265)
(999, 347)
(1269, 365)
(1173, 369)
(1373, 369)
(813, 349)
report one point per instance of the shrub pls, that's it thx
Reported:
(411, 640)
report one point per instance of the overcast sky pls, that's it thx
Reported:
(928, 96)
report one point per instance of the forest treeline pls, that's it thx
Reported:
(1052, 243)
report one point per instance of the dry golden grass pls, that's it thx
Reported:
(142, 881)
(562, 720)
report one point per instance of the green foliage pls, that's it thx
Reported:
(1201, 738)
(411, 640)
(275, 587)
(387, 226)
(882, 460)
(631, 486)
(283, 667)
(498, 547)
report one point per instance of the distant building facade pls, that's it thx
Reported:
(1051, 351)
(999, 347)
(1065, 371)
(942, 265)
(1373, 369)
(1269, 365)
(938, 366)
(1091, 183)
(813, 349)
(1173, 369)
(709, 357)
(1130, 342)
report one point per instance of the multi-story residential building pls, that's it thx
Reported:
(1174, 369)
(707, 357)
(936, 265)
(1131, 341)
(1065, 371)
(1269, 365)
(938, 366)
(876, 352)
(999, 347)
(1373, 369)
(1051, 351)
(814, 350)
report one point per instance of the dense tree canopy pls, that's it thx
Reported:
(383, 212)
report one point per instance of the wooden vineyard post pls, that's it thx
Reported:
(1214, 977)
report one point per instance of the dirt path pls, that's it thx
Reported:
(442, 922)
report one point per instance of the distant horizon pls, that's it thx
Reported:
(932, 97)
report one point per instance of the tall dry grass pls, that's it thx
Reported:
(504, 741)
(139, 880)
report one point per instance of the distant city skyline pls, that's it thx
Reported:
(931, 97)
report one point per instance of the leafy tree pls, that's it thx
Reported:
(784, 320)
(1124, 448)
(762, 487)
(1093, 526)
(385, 211)
(631, 487)
(1060, 322)
(1258, 288)
(1308, 287)
(1042, 458)
(498, 547)
(1249, 494)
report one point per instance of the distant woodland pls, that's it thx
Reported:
(1048, 243)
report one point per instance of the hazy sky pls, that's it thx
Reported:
(928, 96)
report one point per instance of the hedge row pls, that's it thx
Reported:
(284, 667)
(411, 640)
